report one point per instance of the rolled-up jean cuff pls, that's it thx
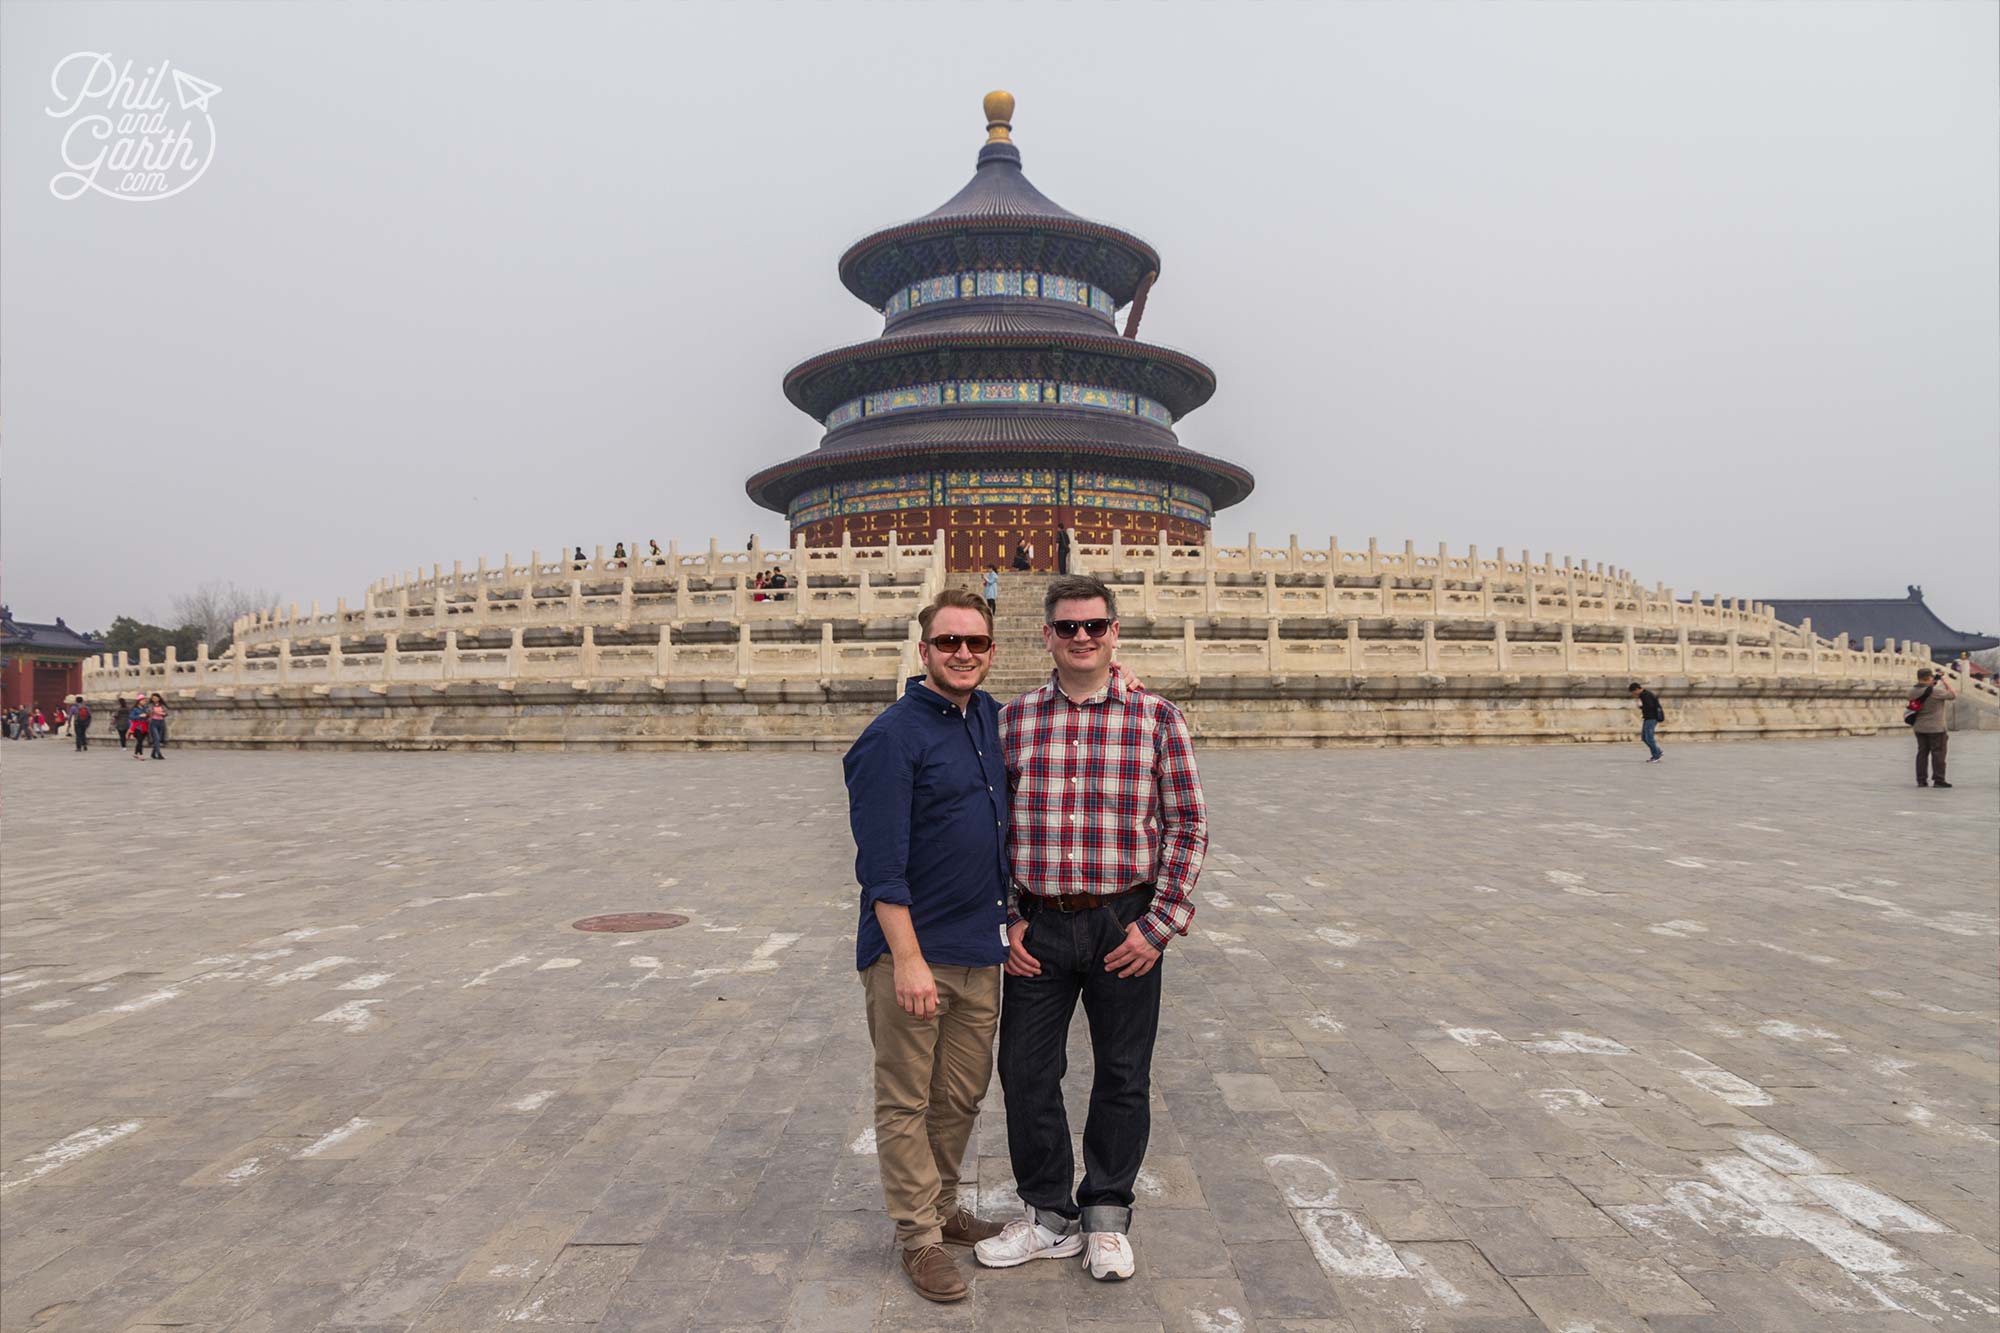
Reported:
(1056, 1222)
(1106, 1217)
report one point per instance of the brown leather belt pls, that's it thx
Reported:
(1081, 902)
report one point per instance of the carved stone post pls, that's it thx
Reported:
(517, 656)
(1190, 652)
(1431, 646)
(1502, 658)
(449, 666)
(389, 656)
(1568, 648)
(663, 652)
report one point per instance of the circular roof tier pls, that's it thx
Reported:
(1176, 379)
(1081, 439)
(999, 220)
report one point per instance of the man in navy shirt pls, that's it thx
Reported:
(927, 797)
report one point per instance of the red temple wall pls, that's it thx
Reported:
(980, 535)
(24, 681)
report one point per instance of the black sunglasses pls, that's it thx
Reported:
(1066, 629)
(948, 643)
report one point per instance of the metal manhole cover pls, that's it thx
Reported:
(619, 922)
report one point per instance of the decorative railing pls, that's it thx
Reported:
(1274, 612)
(806, 568)
(1215, 580)
(441, 660)
(1466, 650)
(616, 604)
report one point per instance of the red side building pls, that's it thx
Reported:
(41, 664)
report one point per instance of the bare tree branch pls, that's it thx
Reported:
(213, 609)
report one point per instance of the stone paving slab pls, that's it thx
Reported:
(1485, 1039)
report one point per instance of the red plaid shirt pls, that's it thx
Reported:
(1106, 796)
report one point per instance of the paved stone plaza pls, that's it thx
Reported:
(1470, 1038)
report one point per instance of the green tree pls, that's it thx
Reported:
(128, 635)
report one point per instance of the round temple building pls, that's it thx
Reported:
(1001, 403)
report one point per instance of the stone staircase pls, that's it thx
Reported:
(1023, 663)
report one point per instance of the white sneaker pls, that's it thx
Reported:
(1110, 1256)
(1025, 1239)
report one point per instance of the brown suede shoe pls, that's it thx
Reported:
(966, 1229)
(934, 1275)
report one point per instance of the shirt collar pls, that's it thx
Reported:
(1114, 689)
(919, 689)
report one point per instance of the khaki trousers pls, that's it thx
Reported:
(930, 1076)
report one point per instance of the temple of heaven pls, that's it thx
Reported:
(1000, 403)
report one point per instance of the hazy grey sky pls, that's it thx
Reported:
(1706, 291)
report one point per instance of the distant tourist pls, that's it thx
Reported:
(138, 716)
(39, 722)
(1102, 880)
(618, 554)
(758, 584)
(1023, 559)
(654, 553)
(80, 724)
(1062, 550)
(1651, 715)
(122, 720)
(992, 589)
(156, 724)
(778, 580)
(927, 799)
(1929, 713)
(580, 560)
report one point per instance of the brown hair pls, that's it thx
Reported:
(958, 597)
(1077, 588)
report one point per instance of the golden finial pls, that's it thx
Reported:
(999, 116)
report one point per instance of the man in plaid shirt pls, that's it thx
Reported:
(1107, 836)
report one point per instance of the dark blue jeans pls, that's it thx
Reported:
(1124, 1017)
(1646, 734)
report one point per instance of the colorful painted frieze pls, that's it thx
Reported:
(1028, 284)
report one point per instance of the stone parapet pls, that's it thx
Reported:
(1240, 711)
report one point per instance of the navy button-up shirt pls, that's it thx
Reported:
(927, 797)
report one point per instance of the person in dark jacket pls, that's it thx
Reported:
(1651, 715)
(121, 718)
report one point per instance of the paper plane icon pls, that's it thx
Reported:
(194, 93)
